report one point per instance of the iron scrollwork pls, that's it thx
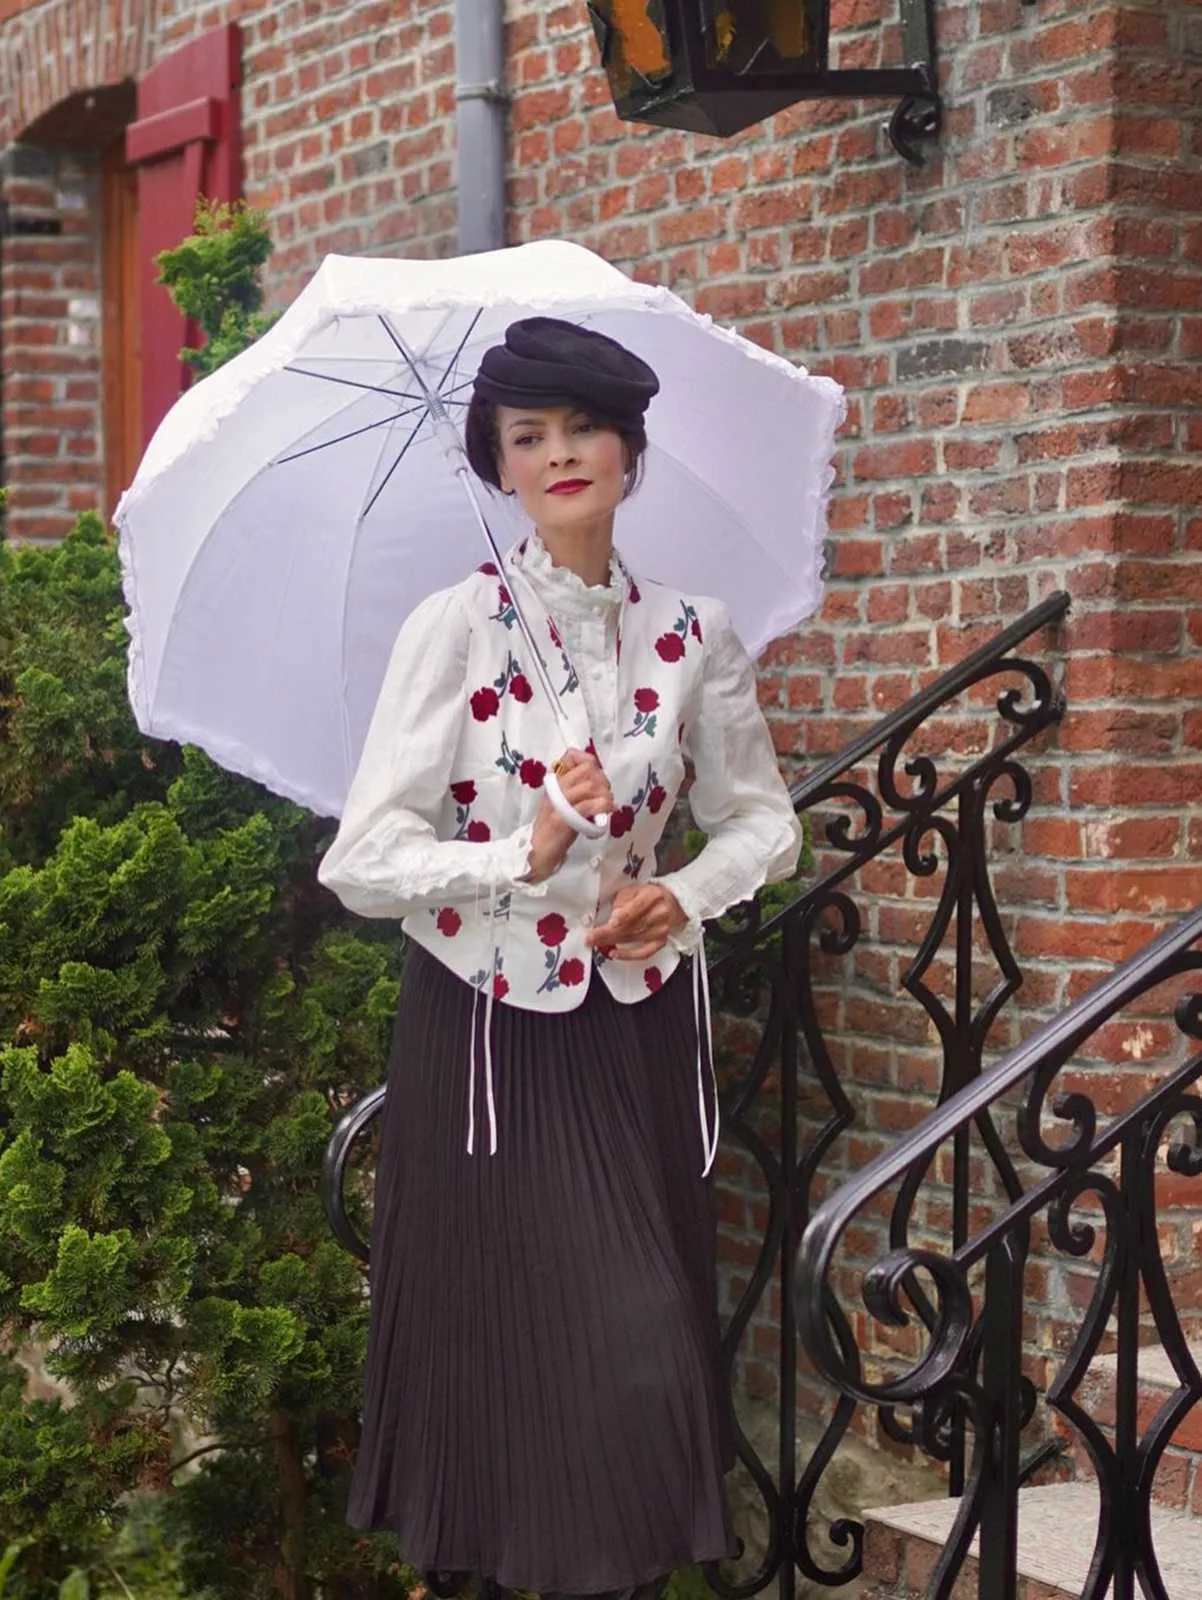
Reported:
(1108, 1162)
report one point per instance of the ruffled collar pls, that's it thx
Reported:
(563, 590)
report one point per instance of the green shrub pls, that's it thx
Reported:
(183, 1013)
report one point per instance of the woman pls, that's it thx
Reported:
(543, 1400)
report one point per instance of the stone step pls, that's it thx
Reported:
(1057, 1526)
(1157, 1380)
(1178, 1484)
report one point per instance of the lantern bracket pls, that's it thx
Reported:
(919, 114)
(663, 68)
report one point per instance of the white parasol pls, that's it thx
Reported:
(294, 507)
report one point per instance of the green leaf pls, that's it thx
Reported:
(9, 1560)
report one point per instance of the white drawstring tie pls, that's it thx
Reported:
(701, 1008)
(490, 980)
(710, 1134)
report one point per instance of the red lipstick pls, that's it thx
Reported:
(569, 486)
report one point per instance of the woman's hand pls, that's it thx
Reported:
(586, 787)
(643, 916)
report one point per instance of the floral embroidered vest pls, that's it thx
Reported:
(533, 945)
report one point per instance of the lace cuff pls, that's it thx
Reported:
(686, 939)
(521, 842)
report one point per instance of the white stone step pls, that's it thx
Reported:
(1057, 1526)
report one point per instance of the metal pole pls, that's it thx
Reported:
(1001, 1356)
(480, 57)
(793, 1204)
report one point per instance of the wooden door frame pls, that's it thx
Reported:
(121, 331)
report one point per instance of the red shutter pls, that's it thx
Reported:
(185, 142)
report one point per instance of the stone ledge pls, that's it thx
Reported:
(1156, 1371)
(1057, 1526)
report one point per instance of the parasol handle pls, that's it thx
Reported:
(588, 827)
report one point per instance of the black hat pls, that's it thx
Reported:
(545, 362)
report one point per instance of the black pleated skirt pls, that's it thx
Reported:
(543, 1401)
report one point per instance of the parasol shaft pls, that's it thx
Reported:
(447, 435)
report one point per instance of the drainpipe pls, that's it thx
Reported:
(480, 54)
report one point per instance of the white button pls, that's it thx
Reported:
(587, 920)
(594, 862)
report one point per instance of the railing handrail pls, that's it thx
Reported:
(919, 706)
(1164, 957)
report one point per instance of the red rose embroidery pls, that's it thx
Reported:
(669, 647)
(605, 952)
(489, 569)
(448, 922)
(591, 749)
(552, 929)
(635, 596)
(504, 596)
(656, 798)
(500, 986)
(532, 773)
(479, 832)
(485, 704)
(646, 700)
(464, 793)
(653, 978)
(571, 972)
(695, 628)
(621, 821)
(519, 687)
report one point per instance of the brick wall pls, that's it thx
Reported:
(50, 310)
(347, 107)
(1019, 326)
(348, 114)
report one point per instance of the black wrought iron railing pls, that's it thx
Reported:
(1093, 1185)
(886, 794)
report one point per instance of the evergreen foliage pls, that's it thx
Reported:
(214, 278)
(183, 1012)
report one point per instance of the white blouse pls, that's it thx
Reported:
(387, 863)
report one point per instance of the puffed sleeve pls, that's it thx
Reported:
(738, 797)
(386, 859)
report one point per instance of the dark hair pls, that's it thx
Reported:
(482, 439)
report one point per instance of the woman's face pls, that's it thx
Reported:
(566, 469)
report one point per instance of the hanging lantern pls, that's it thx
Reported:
(718, 66)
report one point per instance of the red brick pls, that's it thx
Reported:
(996, 402)
(912, 459)
(859, 558)
(1125, 730)
(1128, 631)
(911, 646)
(1142, 891)
(1108, 941)
(1131, 784)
